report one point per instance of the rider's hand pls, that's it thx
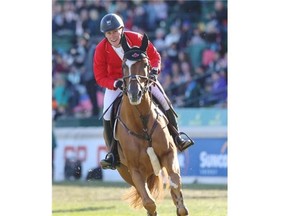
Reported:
(153, 74)
(118, 84)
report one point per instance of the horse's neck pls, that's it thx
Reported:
(136, 112)
(143, 108)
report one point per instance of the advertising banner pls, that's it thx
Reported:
(84, 145)
(207, 159)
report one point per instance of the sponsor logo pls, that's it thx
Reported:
(212, 160)
(135, 55)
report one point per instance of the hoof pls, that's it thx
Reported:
(182, 211)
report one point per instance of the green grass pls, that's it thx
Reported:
(104, 199)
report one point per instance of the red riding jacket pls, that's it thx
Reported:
(107, 64)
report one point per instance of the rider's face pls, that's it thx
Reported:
(114, 37)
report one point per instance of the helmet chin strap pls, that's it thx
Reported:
(121, 35)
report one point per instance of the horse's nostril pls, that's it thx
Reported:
(139, 93)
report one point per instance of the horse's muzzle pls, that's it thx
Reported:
(135, 97)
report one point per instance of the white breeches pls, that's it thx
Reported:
(110, 96)
(160, 97)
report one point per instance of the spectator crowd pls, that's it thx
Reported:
(191, 37)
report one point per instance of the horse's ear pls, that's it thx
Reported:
(124, 44)
(144, 43)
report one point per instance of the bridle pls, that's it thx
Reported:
(135, 85)
(133, 56)
(139, 79)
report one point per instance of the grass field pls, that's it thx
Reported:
(104, 199)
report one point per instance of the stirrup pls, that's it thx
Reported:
(185, 146)
(108, 162)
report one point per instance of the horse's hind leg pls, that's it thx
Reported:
(171, 164)
(141, 186)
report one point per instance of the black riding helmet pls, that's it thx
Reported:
(110, 22)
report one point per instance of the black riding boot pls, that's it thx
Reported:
(111, 159)
(181, 143)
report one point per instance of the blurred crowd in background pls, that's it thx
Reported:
(191, 37)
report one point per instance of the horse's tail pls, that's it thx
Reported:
(156, 187)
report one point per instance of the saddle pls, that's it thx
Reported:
(115, 110)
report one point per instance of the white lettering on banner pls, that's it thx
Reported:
(208, 171)
(213, 160)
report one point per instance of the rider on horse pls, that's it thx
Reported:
(107, 66)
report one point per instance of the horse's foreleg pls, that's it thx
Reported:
(123, 171)
(142, 188)
(171, 164)
(179, 202)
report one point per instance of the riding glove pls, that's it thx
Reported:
(118, 84)
(153, 74)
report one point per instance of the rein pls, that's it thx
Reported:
(136, 54)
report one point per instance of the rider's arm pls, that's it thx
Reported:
(103, 72)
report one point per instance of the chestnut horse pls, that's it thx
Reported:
(146, 149)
